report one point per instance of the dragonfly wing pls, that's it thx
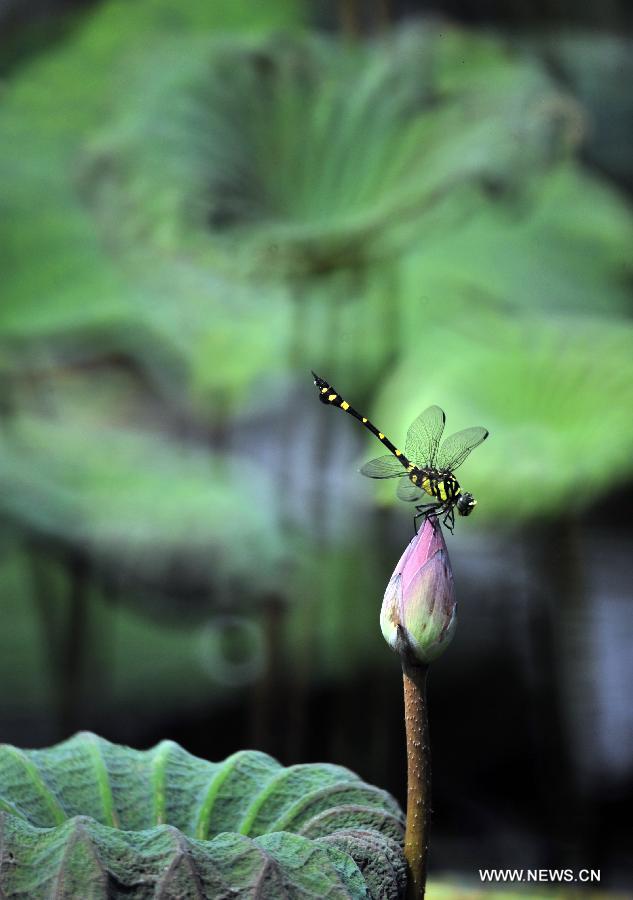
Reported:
(409, 491)
(456, 448)
(423, 436)
(383, 467)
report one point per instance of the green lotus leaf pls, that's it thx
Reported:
(308, 153)
(138, 501)
(219, 146)
(555, 395)
(92, 819)
(598, 67)
(565, 245)
(231, 339)
(65, 291)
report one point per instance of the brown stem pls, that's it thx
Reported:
(348, 15)
(266, 713)
(76, 638)
(416, 839)
(383, 14)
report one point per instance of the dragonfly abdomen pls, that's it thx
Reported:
(329, 396)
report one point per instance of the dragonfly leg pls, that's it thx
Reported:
(449, 519)
(426, 510)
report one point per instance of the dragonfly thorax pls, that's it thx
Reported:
(444, 487)
(441, 485)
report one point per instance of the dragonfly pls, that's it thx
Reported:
(425, 469)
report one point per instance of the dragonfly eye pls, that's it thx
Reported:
(465, 504)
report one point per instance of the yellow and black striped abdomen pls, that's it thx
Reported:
(331, 397)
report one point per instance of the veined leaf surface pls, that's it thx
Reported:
(90, 819)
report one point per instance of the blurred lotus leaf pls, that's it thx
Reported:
(139, 503)
(191, 143)
(68, 291)
(309, 154)
(598, 67)
(555, 395)
(564, 244)
(192, 156)
(107, 821)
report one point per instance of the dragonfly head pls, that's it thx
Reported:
(465, 503)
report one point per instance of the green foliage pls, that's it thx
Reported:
(216, 202)
(137, 502)
(598, 67)
(152, 650)
(93, 819)
(380, 174)
(307, 155)
(448, 890)
(560, 244)
(555, 396)
(65, 285)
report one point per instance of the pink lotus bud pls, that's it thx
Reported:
(417, 618)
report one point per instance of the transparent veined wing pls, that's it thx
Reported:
(456, 448)
(383, 467)
(423, 437)
(409, 491)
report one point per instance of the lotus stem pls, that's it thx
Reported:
(348, 15)
(416, 840)
(417, 619)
